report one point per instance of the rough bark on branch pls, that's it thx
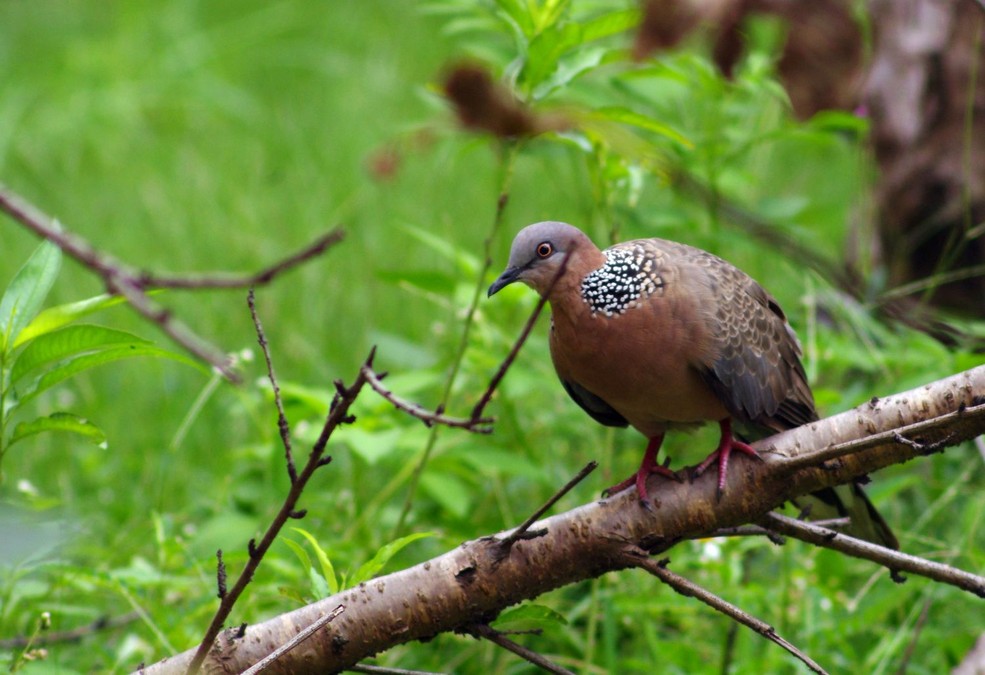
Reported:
(474, 582)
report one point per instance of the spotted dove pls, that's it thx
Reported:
(659, 335)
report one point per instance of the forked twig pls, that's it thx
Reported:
(896, 561)
(489, 633)
(234, 281)
(338, 414)
(120, 279)
(902, 436)
(759, 530)
(456, 364)
(524, 334)
(306, 633)
(476, 422)
(687, 588)
(478, 425)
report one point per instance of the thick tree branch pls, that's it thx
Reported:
(473, 582)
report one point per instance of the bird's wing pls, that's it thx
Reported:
(755, 370)
(599, 410)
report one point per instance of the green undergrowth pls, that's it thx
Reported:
(191, 136)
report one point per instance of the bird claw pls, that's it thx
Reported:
(726, 445)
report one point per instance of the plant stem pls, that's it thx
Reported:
(508, 163)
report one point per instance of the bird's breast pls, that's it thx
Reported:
(644, 361)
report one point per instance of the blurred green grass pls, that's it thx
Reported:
(218, 135)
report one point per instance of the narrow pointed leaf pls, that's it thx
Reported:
(27, 290)
(76, 364)
(371, 568)
(59, 421)
(61, 344)
(53, 318)
(328, 571)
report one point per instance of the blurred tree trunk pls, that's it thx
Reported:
(926, 99)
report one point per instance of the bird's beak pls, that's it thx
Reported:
(509, 275)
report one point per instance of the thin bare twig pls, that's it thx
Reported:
(903, 436)
(475, 422)
(521, 532)
(894, 560)
(120, 279)
(220, 575)
(338, 414)
(758, 530)
(282, 424)
(306, 633)
(227, 281)
(687, 588)
(488, 633)
(524, 334)
(456, 364)
(479, 425)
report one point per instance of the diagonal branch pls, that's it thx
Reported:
(430, 418)
(338, 415)
(894, 560)
(120, 279)
(687, 588)
(471, 583)
(283, 426)
(489, 633)
(268, 660)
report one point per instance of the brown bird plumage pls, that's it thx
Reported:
(659, 335)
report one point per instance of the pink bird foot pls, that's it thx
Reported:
(726, 445)
(648, 467)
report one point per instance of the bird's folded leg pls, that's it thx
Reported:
(726, 445)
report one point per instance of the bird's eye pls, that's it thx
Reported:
(544, 249)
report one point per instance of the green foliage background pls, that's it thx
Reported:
(198, 135)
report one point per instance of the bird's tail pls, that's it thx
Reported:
(850, 501)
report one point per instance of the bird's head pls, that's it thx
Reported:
(538, 253)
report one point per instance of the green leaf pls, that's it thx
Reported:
(632, 118)
(319, 586)
(76, 364)
(27, 290)
(49, 348)
(515, 13)
(371, 568)
(59, 421)
(568, 69)
(611, 23)
(54, 318)
(327, 571)
(299, 551)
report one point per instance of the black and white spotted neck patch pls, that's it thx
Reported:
(629, 275)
